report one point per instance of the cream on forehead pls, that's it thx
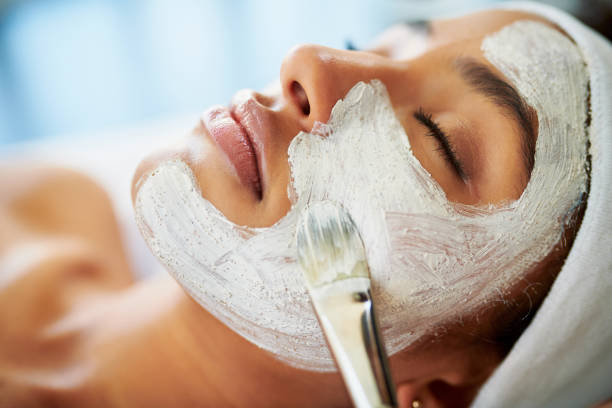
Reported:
(431, 261)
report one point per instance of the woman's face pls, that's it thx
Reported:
(466, 127)
(466, 136)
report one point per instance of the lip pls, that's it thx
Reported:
(235, 141)
(257, 122)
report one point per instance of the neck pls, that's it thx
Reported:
(174, 353)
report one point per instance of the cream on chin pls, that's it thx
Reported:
(431, 261)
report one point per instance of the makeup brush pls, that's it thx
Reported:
(332, 258)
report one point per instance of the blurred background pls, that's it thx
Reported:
(78, 67)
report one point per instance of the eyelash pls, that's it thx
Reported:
(446, 148)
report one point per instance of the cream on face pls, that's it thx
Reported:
(431, 260)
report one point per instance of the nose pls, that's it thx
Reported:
(314, 78)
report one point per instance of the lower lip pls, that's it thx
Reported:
(236, 145)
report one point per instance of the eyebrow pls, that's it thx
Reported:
(502, 94)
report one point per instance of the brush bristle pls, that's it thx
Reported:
(329, 245)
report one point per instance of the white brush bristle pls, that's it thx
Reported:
(329, 245)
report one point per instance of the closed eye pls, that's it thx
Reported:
(446, 149)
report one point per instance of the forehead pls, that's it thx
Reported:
(404, 41)
(475, 25)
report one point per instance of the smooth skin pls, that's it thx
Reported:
(78, 330)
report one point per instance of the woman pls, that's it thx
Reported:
(88, 335)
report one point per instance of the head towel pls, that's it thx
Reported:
(564, 358)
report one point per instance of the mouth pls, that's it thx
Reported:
(234, 139)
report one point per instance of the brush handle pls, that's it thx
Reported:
(346, 313)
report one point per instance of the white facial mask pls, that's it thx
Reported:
(431, 261)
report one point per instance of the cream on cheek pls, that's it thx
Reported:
(431, 261)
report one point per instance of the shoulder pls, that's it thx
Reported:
(45, 203)
(55, 217)
(59, 246)
(46, 197)
(59, 238)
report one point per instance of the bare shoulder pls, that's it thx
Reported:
(55, 218)
(59, 238)
(41, 193)
(59, 246)
(39, 201)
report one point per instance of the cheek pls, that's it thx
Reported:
(218, 181)
(149, 164)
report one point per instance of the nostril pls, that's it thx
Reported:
(300, 97)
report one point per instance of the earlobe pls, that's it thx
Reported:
(435, 394)
(409, 395)
(419, 395)
(447, 372)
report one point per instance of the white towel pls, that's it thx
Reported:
(564, 358)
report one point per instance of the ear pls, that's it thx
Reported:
(448, 380)
(435, 394)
